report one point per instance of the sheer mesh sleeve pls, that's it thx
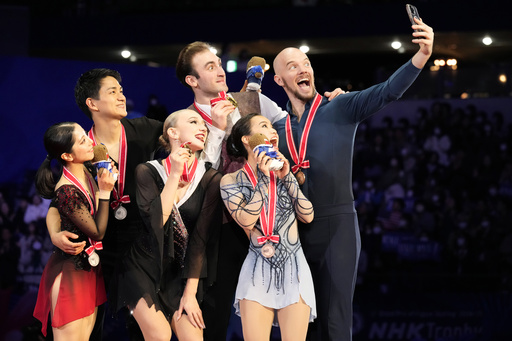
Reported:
(73, 204)
(149, 203)
(209, 218)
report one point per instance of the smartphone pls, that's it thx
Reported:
(412, 11)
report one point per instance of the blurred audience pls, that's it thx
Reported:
(436, 191)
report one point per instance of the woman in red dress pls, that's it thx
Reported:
(72, 286)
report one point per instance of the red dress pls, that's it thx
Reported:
(82, 287)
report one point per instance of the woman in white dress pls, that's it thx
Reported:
(275, 284)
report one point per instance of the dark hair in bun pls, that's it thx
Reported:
(242, 127)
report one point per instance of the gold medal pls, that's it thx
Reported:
(233, 101)
(301, 178)
(267, 250)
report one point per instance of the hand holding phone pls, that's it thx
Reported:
(412, 11)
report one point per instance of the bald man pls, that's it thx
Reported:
(323, 135)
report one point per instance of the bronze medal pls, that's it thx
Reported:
(301, 178)
(267, 250)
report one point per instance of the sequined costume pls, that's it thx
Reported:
(82, 287)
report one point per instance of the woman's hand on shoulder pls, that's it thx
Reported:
(335, 93)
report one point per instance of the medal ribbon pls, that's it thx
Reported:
(119, 198)
(74, 180)
(267, 219)
(206, 117)
(98, 245)
(95, 245)
(298, 158)
(188, 172)
(223, 96)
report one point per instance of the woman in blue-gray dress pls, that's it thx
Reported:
(275, 284)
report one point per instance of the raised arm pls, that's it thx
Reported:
(179, 156)
(74, 207)
(424, 37)
(213, 148)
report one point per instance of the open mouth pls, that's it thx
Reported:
(274, 141)
(200, 137)
(303, 83)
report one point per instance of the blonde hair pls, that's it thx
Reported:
(170, 122)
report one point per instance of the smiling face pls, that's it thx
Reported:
(111, 101)
(295, 74)
(82, 150)
(210, 79)
(189, 126)
(261, 124)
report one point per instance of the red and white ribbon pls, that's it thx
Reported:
(119, 198)
(74, 180)
(92, 202)
(188, 172)
(95, 245)
(206, 117)
(223, 96)
(299, 157)
(267, 216)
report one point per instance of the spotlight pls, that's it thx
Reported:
(487, 41)
(126, 54)
(304, 48)
(396, 45)
(439, 62)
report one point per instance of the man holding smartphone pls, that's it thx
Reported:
(321, 154)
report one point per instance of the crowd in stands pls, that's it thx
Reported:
(434, 198)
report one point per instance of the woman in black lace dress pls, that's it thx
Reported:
(179, 202)
(72, 286)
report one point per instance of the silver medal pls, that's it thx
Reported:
(267, 250)
(120, 213)
(94, 259)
